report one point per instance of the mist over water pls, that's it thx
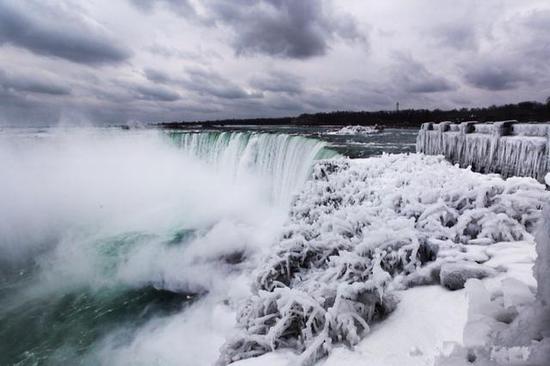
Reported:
(117, 245)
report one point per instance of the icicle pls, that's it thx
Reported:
(507, 147)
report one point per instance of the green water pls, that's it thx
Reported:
(41, 325)
(62, 328)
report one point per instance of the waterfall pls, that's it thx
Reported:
(283, 161)
(109, 233)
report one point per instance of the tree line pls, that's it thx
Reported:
(522, 112)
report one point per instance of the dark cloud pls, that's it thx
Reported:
(283, 28)
(277, 82)
(428, 84)
(212, 84)
(414, 77)
(490, 75)
(31, 84)
(443, 54)
(50, 31)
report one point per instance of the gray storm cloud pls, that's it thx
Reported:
(414, 77)
(280, 28)
(283, 28)
(156, 60)
(50, 31)
(31, 84)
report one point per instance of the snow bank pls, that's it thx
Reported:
(362, 229)
(507, 324)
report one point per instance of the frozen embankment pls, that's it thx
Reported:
(508, 147)
(508, 321)
(370, 254)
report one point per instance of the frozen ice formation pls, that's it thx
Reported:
(507, 147)
(361, 229)
(357, 130)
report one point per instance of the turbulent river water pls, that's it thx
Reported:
(128, 247)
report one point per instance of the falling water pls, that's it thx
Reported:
(282, 161)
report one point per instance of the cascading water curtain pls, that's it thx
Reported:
(283, 161)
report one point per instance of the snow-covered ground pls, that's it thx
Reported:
(509, 316)
(363, 272)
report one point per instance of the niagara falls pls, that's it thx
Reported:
(274, 183)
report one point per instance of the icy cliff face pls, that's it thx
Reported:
(502, 147)
(361, 229)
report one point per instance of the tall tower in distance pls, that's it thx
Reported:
(397, 107)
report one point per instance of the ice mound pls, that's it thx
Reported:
(357, 130)
(509, 326)
(361, 229)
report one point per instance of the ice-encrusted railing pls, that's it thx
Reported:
(507, 147)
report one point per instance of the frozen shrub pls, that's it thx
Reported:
(362, 228)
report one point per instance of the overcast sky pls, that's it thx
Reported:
(105, 61)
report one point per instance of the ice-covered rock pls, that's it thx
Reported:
(454, 275)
